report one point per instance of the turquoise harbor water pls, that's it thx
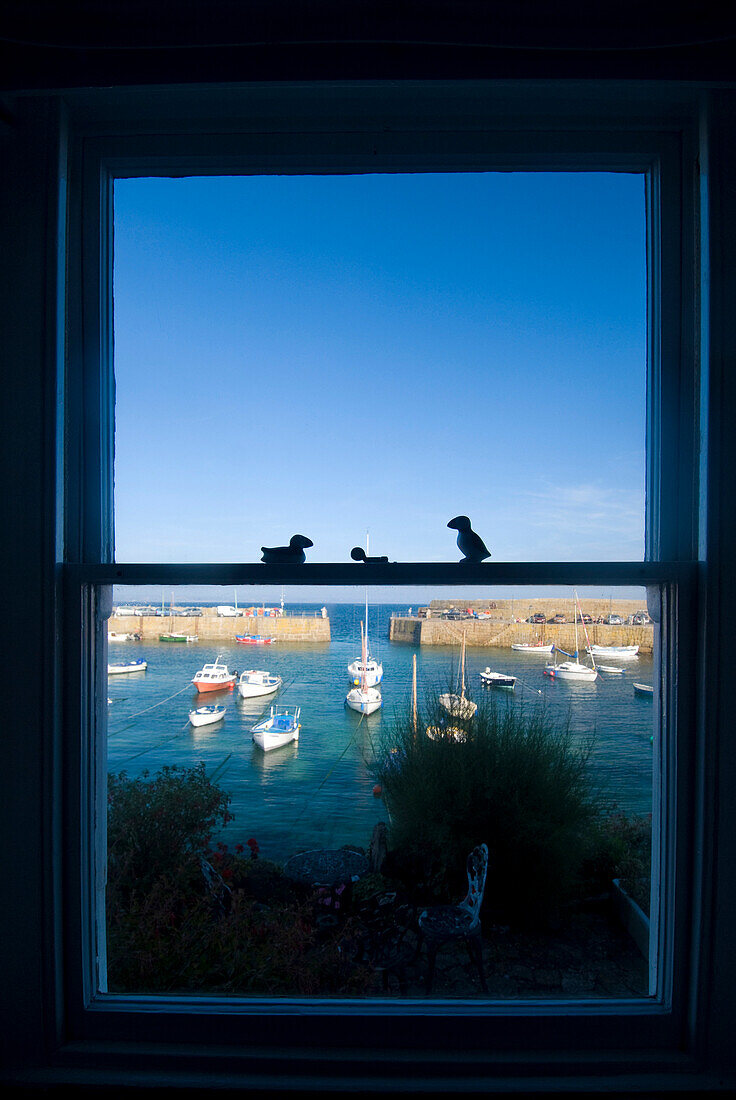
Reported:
(319, 792)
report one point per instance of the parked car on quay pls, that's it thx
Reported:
(537, 618)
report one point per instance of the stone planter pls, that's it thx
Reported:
(633, 918)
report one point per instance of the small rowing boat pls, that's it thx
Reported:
(643, 689)
(205, 716)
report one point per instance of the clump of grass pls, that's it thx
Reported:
(511, 779)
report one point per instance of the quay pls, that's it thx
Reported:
(209, 626)
(504, 625)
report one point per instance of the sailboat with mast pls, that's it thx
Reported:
(364, 668)
(456, 702)
(573, 669)
(364, 698)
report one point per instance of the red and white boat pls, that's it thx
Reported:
(254, 639)
(214, 677)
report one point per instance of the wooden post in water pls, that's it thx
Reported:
(414, 693)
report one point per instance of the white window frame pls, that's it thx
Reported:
(420, 127)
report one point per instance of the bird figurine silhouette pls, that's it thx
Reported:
(293, 554)
(471, 545)
(358, 554)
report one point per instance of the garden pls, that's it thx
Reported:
(190, 914)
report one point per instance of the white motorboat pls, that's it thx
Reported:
(456, 703)
(254, 682)
(214, 677)
(126, 666)
(364, 670)
(643, 689)
(621, 652)
(532, 647)
(281, 727)
(573, 669)
(498, 679)
(365, 698)
(205, 716)
(610, 669)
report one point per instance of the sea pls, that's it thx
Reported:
(319, 792)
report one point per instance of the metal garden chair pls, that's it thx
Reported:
(441, 924)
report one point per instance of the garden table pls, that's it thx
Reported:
(326, 867)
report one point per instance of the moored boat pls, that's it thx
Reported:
(622, 652)
(532, 647)
(126, 666)
(169, 637)
(498, 679)
(364, 671)
(214, 677)
(456, 703)
(254, 639)
(365, 698)
(643, 689)
(280, 728)
(206, 716)
(254, 682)
(610, 669)
(573, 669)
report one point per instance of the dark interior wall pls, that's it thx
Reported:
(89, 43)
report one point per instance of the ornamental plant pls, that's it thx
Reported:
(511, 779)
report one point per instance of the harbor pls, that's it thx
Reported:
(499, 623)
(318, 791)
(209, 625)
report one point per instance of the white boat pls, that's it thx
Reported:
(365, 698)
(572, 669)
(214, 677)
(364, 670)
(532, 647)
(126, 666)
(281, 727)
(622, 652)
(255, 681)
(643, 689)
(205, 716)
(610, 668)
(457, 704)
(118, 636)
(498, 679)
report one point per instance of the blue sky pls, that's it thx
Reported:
(335, 354)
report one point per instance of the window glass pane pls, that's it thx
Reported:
(313, 354)
(210, 889)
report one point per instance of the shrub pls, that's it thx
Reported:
(160, 826)
(249, 931)
(514, 781)
(621, 847)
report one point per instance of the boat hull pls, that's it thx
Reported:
(523, 647)
(253, 639)
(457, 706)
(254, 689)
(498, 680)
(134, 666)
(570, 671)
(621, 652)
(364, 702)
(643, 689)
(204, 686)
(373, 673)
(268, 738)
(206, 716)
